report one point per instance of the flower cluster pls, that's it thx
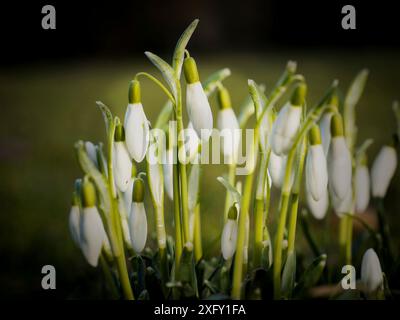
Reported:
(108, 217)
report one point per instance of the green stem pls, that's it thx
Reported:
(198, 248)
(123, 277)
(108, 277)
(177, 217)
(157, 82)
(293, 221)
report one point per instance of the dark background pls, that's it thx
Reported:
(123, 29)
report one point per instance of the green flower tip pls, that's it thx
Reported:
(315, 135)
(363, 160)
(134, 171)
(134, 92)
(334, 102)
(337, 125)
(138, 190)
(119, 134)
(88, 194)
(224, 99)
(299, 95)
(190, 70)
(232, 213)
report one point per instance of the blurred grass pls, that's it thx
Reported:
(46, 108)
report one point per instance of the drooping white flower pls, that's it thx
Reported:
(136, 124)
(92, 153)
(318, 208)
(325, 123)
(362, 185)
(383, 170)
(265, 130)
(127, 196)
(192, 143)
(124, 220)
(229, 234)
(197, 105)
(287, 123)
(121, 161)
(137, 218)
(168, 167)
(74, 223)
(316, 168)
(339, 162)
(156, 183)
(228, 126)
(277, 169)
(371, 271)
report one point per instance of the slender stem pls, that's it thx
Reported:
(177, 217)
(244, 211)
(123, 277)
(108, 277)
(293, 221)
(157, 82)
(198, 248)
(258, 231)
(231, 179)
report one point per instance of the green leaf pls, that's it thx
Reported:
(179, 53)
(234, 193)
(289, 275)
(311, 275)
(107, 115)
(166, 71)
(193, 187)
(352, 97)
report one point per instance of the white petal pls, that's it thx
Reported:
(383, 170)
(371, 272)
(92, 235)
(228, 239)
(156, 182)
(138, 226)
(285, 129)
(325, 128)
(339, 168)
(362, 188)
(91, 151)
(265, 130)
(124, 220)
(318, 208)
(74, 223)
(122, 166)
(193, 186)
(168, 173)
(277, 168)
(316, 172)
(343, 206)
(228, 126)
(127, 195)
(136, 131)
(192, 142)
(199, 110)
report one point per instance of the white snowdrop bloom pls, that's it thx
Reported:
(74, 223)
(277, 168)
(371, 271)
(197, 105)
(121, 160)
(137, 218)
(265, 130)
(287, 123)
(92, 233)
(124, 220)
(383, 170)
(316, 168)
(228, 126)
(156, 182)
(229, 234)
(127, 197)
(343, 206)
(318, 208)
(192, 143)
(339, 162)
(168, 168)
(92, 153)
(362, 185)
(325, 123)
(136, 124)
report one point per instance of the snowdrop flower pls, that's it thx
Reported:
(74, 219)
(192, 143)
(362, 185)
(92, 153)
(287, 123)
(168, 167)
(383, 170)
(228, 126)
(316, 169)
(371, 272)
(92, 233)
(318, 208)
(121, 161)
(339, 163)
(138, 218)
(277, 168)
(325, 123)
(136, 124)
(229, 234)
(123, 214)
(198, 107)
(127, 196)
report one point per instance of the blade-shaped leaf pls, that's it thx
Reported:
(166, 71)
(193, 188)
(177, 60)
(107, 115)
(288, 276)
(311, 275)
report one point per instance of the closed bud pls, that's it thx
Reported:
(362, 185)
(383, 170)
(121, 160)
(138, 226)
(371, 271)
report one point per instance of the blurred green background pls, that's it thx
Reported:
(47, 108)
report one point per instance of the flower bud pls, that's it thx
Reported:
(277, 168)
(198, 107)
(229, 234)
(138, 226)
(371, 272)
(318, 208)
(74, 219)
(383, 170)
(316, 168)
(362, 185)
(192, 143)
(92, 153)
(121, 161)
(136, 124)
